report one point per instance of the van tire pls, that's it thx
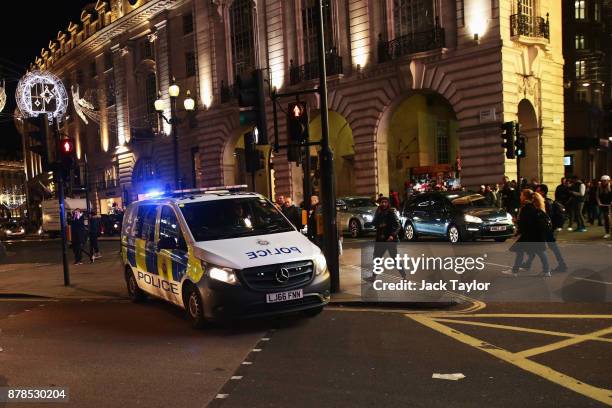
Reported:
(313, 312)
(194, 307)
(136, 294)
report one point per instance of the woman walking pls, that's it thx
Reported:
(604, 199)
(532, 227)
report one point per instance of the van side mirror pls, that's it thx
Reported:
(168, 243)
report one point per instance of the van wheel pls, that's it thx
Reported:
(195, 308)
(313, 312)
(136, 294)
(453, 234)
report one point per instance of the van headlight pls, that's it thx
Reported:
(472, 219)
(320, 264)
(226, 275)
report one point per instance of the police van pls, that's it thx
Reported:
(221, 253)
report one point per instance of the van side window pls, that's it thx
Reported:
(170, 228)
(145, 223)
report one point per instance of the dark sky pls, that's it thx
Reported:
(27, 27)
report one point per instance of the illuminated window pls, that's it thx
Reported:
(579, 9)
(526, 7)
(243, 42)
(580, 69)
(310, 23)
(579, 41)
(412, 16)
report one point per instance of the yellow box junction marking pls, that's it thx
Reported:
(520, 359)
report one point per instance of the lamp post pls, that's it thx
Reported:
(189, 105)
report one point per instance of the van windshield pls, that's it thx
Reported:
(233, 218)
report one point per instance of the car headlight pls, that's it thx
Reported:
(226, 275)
(509, 218)
(320, 264)
(368, 217)
(472, 219)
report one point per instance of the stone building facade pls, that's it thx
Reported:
(416, 88)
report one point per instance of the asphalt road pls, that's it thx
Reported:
(115, 354)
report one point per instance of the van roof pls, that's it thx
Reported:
(200, 197)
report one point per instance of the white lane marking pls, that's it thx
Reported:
(247, 363)
(236, 377)
(256, 350)
(593, 280)
(265, 339)
(222, 396)
(500, 265)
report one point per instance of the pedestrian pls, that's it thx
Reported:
(293, 213)
(556, 213)
(394, 199)
(94, 233)
(578, 193)
(489, 196)
(532, 230)
(315, 212)
(380, 197)
(592, 208)
(77, 235)
(604, 200)
(280, 202)
(387, 227)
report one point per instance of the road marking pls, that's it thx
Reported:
(535, 316)
(583, 337)
(566, 343)
(495, 264)
(236, 377)
(246, 363)
(256, 350)
(222, 396)
(593, 280)
(599, 394)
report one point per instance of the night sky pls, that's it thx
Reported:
(27, 27)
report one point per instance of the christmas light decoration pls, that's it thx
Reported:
(12, 198)
(41, 92)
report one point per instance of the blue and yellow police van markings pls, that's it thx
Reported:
(179, 265)
(194, 266)
(165, 265)
(140, 249)
(130, 252)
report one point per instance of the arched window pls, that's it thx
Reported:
(310, 23)
(243, 40)
(412, 16)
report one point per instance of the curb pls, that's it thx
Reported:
(393, 305)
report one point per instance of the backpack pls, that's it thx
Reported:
(557, 214)
(544, 222)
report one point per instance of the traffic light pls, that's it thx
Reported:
(66, 150)
(41, 139)
(508, 138)
(252, 102)
(254, 158)
(520, 146)
(297, 122)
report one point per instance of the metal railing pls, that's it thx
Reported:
(310, 70)
(427, 40)
(529, 26)
(106, 184)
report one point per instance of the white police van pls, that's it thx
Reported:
(221, 253)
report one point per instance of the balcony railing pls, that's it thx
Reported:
(427, 40)
(106, 184)
(310, 70)
(529, 26)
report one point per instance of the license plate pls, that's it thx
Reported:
(284, 296)
(499, 228)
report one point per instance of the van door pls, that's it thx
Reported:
(146, 257)
(171, 264)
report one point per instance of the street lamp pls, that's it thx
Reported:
(189, 104)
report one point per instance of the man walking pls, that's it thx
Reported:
(77, 234)
(387, 228)
(604, 200)
(94, 233)
(578, 192)
(293, 213)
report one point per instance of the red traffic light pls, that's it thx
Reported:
(67, 146)
(297, 110)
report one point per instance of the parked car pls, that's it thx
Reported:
(110, 224)
(457, 216)
(355, 215)
(12, 229)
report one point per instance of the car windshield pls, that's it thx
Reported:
(471, 200)
(233, 218)
(359, 202)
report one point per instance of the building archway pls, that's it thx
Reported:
(530, 165)
(342, 145)
(417, 140)
(234, 166)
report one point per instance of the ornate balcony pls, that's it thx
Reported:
(529, 26)
(310, 70)
(410, 44)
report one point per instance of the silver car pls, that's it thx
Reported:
(355, 215)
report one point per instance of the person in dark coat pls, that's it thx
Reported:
(532, 229)
(315, 211)
(387, 227)
(94, 233)
(77, 234)
(293, 213)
